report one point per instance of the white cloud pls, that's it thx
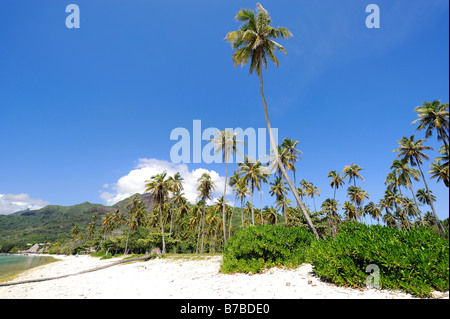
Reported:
(134, 182)
(11, 203)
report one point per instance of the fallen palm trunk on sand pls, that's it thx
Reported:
(123, 261)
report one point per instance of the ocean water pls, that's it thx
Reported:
(11, 265)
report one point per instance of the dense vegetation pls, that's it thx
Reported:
(253, 249)
(415, 261)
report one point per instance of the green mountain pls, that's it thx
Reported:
(54, 222)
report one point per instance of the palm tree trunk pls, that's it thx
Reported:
(295, 180)
(283, 171)
(171, 218)
(417, 205)
(162, 229)
(253, 215)
(438, 223)
(260, 197)
(231, 218)
(224, 203)
(199, 231)
(242, 212)
(126, 245)
(202, 247)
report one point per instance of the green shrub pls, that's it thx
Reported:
(415, 261)
(254, 248)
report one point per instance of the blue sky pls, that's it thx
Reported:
(86, 113)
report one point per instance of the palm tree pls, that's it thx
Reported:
(271, 215)
(429, 219)
(405, 173)
(285, 159)
(158, 187)
(136, 217)
(311, 191)
(394, 199)
(412, 151)
(410, 210)
(425, 197)
(248, 210)
(390, 220)
(439, 171)
(336, 181)
(226, 142)
(349, 210)
(253, 43)
(279, 190)
(330, 207)
(352, 172)
(357, 195)
(373, 211)
(251, 172)
(434, 116)
(90, 230)
(75, 230)
(242, 192)
(205, 190)
(107, 221)
(294, 154)
(176, 183)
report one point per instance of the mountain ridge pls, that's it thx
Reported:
(54, 222)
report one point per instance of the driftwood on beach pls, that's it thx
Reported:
(123, 261)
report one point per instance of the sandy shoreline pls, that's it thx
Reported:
(178, 278)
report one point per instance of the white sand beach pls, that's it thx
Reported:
(183, 278)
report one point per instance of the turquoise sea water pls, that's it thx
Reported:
(11, 265)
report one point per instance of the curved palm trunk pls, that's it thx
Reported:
(438, 223)
(280, 165)
(224, 204)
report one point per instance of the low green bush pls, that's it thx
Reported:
(415, 261)
(254, 248)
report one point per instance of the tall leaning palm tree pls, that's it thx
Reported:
(413, 151)
(254, 43)
(226, 142)
(158, 187)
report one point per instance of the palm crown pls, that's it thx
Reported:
(253, 41)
